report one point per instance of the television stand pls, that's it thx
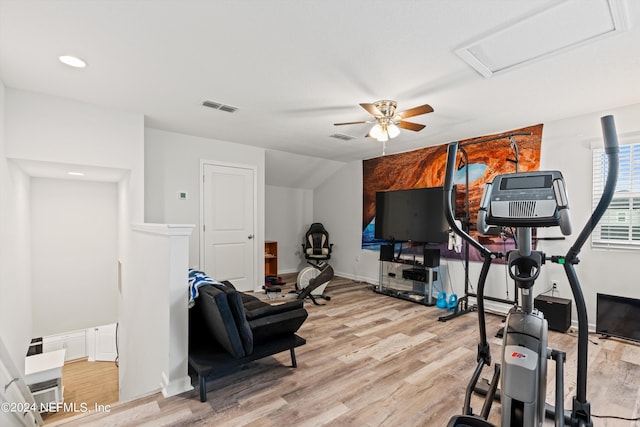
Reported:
(410, 281)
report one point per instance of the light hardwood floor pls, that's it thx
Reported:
(86, 383)
(374, 360)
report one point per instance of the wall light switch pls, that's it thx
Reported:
(183, 195)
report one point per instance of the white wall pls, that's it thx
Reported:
(173, 164)
(565, 146)
(161, 340)
(54, 130)
(338, 205)
(288, 215)
(74, 254)
(15, 273)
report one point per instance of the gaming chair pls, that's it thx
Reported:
(317, 250)
(316, 244)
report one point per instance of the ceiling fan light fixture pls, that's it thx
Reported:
(388, 122)
(393, 130)
(376, 131)
(384, 137)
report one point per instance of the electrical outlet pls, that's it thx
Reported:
(554, 285)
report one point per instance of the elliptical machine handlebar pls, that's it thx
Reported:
(609, 134)
(484, 353)
(581, 413)
(611, 149)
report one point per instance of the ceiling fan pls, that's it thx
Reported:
(387, 121)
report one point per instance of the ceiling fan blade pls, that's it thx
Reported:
(351, 123)
(411, 126)
(372, 109)
(416, 111)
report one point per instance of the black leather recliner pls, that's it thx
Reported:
(228, 328)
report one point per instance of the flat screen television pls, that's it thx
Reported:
(618, 317)
(415, 215)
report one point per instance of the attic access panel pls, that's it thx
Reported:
(552, 30)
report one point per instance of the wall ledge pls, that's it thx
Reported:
(164, 229)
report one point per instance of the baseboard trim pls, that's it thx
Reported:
(176, 386)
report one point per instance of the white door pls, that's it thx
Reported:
(228, 225)
(105, 343)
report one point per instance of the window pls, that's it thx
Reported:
(620, 224)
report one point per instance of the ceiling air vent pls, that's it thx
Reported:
(342, 136)
(228, 108)
(219, 106)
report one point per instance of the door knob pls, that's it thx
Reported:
(250, 236)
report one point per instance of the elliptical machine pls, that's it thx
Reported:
(526, 200)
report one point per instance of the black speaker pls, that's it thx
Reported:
(557, 311)
(386, 252)
(431, 257)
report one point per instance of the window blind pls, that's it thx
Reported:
(620, 225)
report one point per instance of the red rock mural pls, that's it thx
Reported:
(426, 167)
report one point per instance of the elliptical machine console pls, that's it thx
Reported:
(524, 201)
(529, 199)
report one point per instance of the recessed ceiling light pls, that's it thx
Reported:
(75, 173)
(72, 61)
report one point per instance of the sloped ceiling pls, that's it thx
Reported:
(293, 68)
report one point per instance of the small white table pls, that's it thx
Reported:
(45, 368)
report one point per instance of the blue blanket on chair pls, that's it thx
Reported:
(197, 279)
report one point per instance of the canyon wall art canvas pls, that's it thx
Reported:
(426, 168)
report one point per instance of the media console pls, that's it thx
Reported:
(409, 280)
